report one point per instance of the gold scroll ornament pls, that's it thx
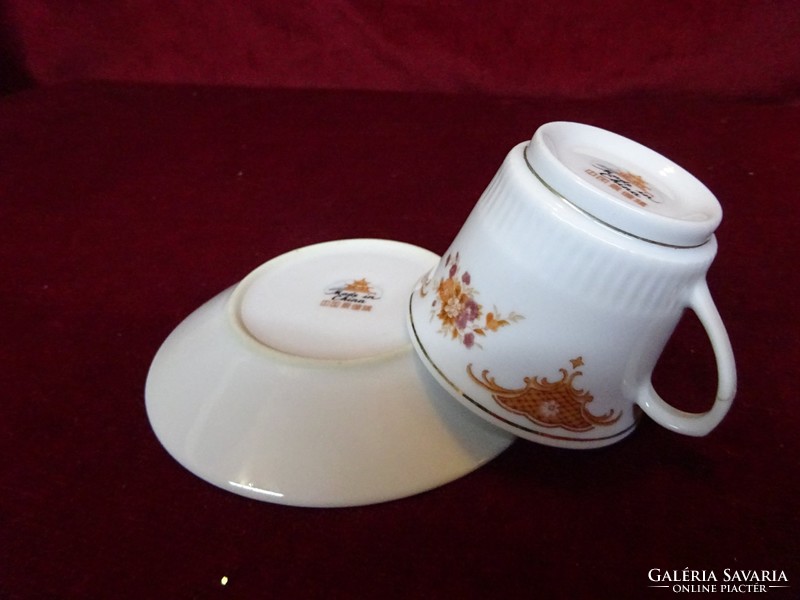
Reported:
(548, 403)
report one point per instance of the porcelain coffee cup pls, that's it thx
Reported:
(554, 302)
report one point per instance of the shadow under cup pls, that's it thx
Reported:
(546, 316)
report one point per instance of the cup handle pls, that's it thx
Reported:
(699, 424)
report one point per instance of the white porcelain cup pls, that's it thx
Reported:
(550, 309)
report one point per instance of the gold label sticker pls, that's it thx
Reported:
(353, 294)
(630, 186)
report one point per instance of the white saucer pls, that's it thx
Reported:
(300, 386)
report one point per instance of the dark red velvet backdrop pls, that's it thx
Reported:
(519, 47)
(124, 206)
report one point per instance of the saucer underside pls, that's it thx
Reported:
(301, 430)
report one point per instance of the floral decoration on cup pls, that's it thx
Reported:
(460, 315)
(556, 403)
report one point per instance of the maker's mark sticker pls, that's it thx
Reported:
(629, 185)
(354, 294)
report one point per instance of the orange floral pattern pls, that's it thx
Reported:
(456, 307)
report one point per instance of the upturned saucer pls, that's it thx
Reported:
(300, 385)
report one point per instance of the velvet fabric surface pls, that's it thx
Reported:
(124, 207)
(581, 48)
